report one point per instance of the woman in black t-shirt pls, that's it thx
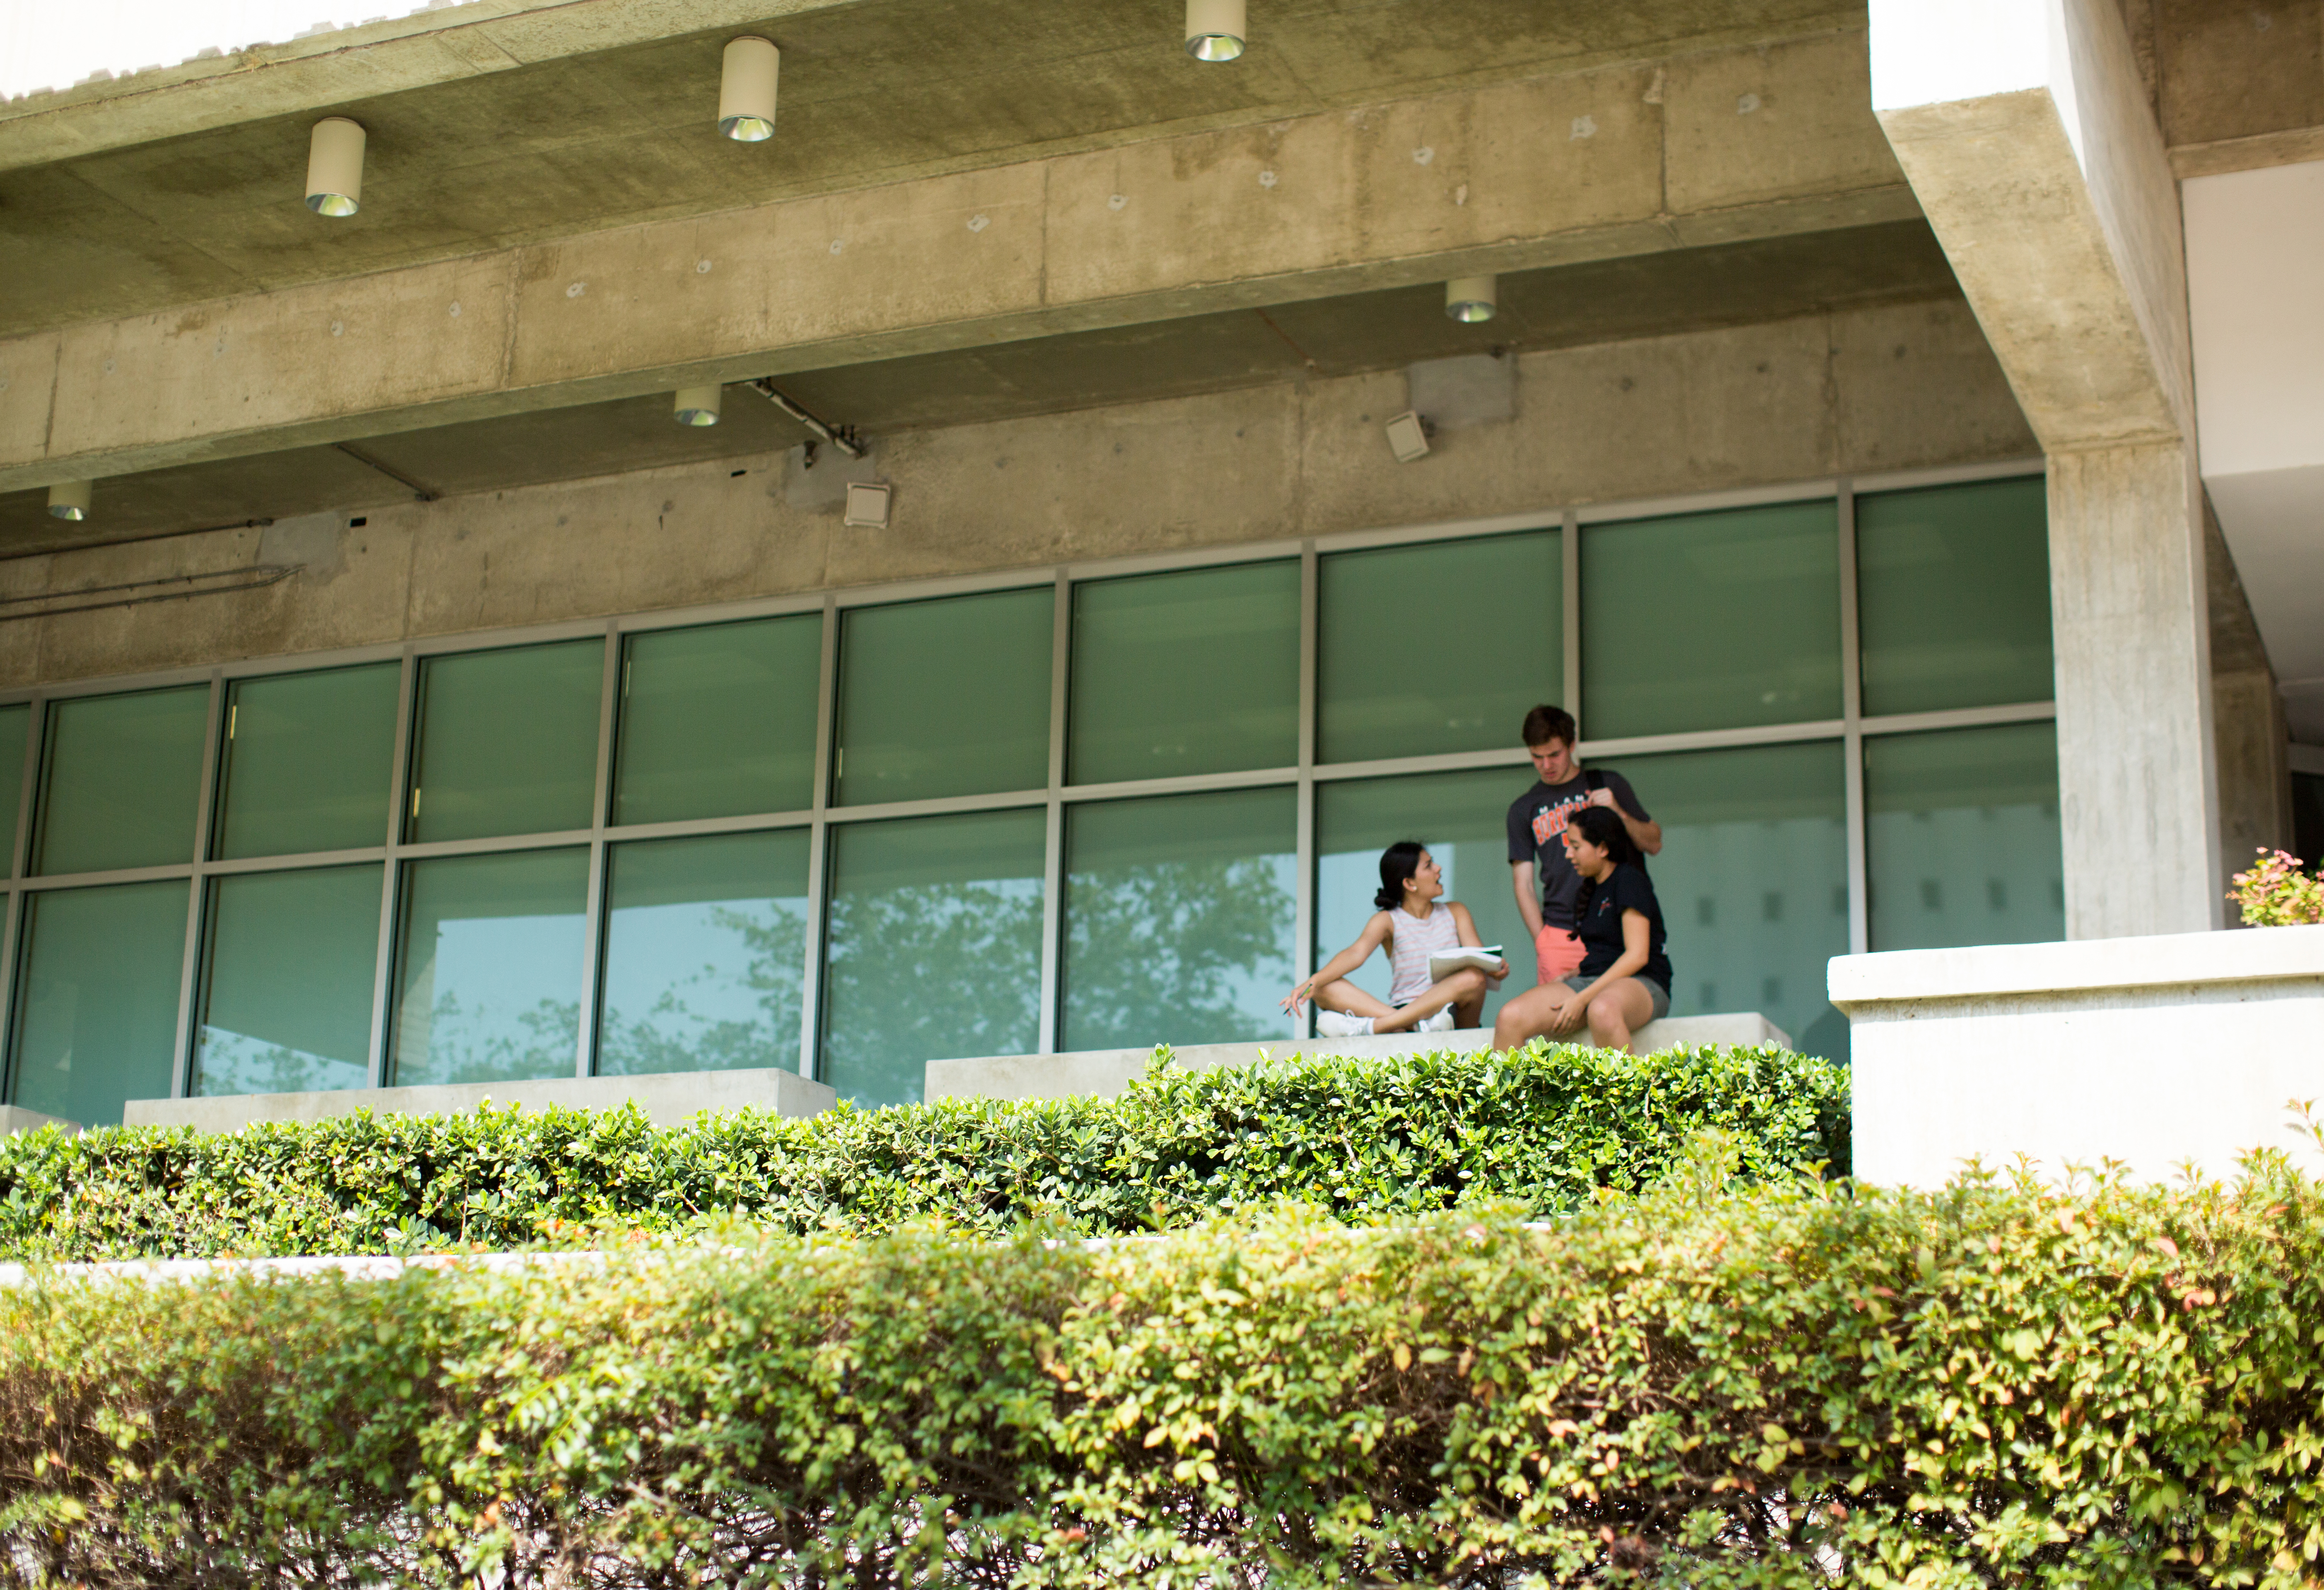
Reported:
(1625, 978)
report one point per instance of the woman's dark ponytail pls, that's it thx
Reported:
(1602, 826)
(1400, 861)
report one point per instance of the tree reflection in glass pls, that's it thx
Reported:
(705, 953)
(1181, 915)
(934, 950)
(491, 968)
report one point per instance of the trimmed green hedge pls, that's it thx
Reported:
(1543, 1127)
(1795, 1385)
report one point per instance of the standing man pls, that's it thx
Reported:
(1547, 887)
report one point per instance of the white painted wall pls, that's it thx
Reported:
(2255, 297)
(2158, 1052)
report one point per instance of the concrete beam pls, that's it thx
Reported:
(2023, 127)
(1581, 165)
(310, 74)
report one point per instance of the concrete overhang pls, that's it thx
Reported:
(535, 122)
(1713, 147)
(1672, 292)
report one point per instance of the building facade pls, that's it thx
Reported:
(418, 703)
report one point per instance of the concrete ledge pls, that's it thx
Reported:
(669, 1099)
(14, 1120)
(1102, 1073)
(2156, 1052)
(2157, 961)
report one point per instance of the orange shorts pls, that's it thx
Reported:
(1557, 952)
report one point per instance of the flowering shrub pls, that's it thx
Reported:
(2276, 893)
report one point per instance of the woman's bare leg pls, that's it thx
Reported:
(1345, 997)
(1470, 1014)
(1465, 984)
(1617, 1011)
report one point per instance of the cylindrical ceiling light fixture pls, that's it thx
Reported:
(335, 162)
(746, 89)
(696, 406)
(1472, 298)
(69, 499)
(1215, 29)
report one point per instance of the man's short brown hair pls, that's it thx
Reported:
(1543, 724)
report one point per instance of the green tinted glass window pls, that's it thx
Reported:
(1425, 651)
(945, 698)
(488, 974)
(935, 948)
(123, 781)
(1181, 918)
(1954, 596)
(706, 955)
(1460, 817)
(286, 1000)
(1714, 620)
(718, 721)
(508, 742)
(308, 760)
(1753, 881)
(1961, 835)
(1194, 672)
(99, 1019)
(15, 724)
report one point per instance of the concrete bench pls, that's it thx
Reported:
(1104, 1072)
(668, 1099)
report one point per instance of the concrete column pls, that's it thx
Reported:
(2138, 788)
(2024, 128)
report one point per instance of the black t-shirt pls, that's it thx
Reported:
(1626, 888)
(1537, 834)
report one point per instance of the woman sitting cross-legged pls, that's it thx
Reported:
(1413, 924)
(1625, 978)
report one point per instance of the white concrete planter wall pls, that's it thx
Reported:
(2156, 1052)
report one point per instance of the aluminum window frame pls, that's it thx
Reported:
(821, 818)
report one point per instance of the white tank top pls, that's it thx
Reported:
(1412, 939)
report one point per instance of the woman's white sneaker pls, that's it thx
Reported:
(1441, 1022)
(1337, 1024)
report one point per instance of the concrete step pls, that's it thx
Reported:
(668, 1098)
(1104, 1072)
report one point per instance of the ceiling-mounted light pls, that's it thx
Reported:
(746, 89)
(1472, 298)
(69, 499)
(335, 162)
(1215, 29)
(696, 406)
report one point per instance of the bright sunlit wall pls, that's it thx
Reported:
(1067, 809)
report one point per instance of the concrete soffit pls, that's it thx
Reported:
(2056, 205)
(1650, 157)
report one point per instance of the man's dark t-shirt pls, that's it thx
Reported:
(1537, 834)
(1626, 888)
